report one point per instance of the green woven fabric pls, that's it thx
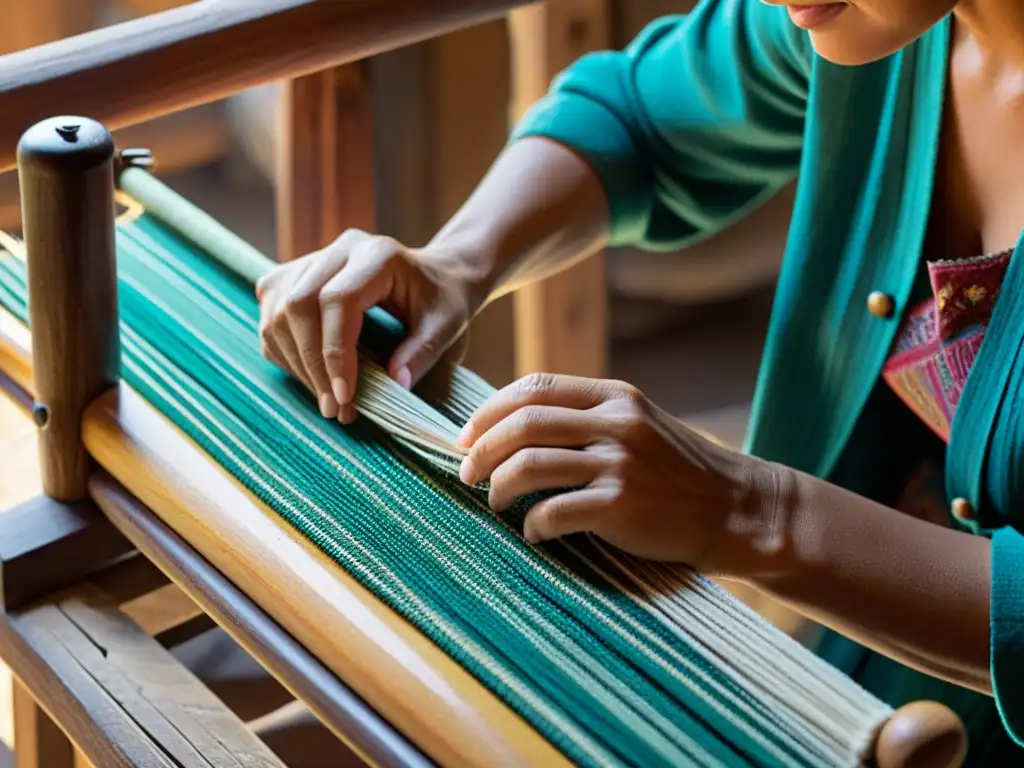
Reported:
(586, 662)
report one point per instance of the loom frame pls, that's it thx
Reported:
(130, 533)
(122, 433)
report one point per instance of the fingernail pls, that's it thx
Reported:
(340, 387)
(466, 471)
(404, 378)
(466, 434)
(530, 536)
(328, 406)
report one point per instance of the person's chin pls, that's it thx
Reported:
(832, 28)
(840, 47)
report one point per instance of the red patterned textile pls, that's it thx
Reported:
(941, 336)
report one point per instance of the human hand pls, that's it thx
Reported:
(311, 313)
(638, 479)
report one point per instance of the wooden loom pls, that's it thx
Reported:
(124, 491)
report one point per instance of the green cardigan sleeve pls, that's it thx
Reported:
(698, 121)
(1007, 629)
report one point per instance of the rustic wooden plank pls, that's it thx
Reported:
(87, 713)
(174, 708)
(120, 696)
(561, 324)
(40, 742)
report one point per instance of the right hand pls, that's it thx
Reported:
(311, 313)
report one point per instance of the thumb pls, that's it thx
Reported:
(420, 351)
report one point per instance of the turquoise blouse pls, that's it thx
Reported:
(705, 116)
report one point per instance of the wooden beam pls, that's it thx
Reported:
(561, 324)
(325, 172)
(46, 545)
(205, 51)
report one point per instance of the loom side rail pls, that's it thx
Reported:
(398, 671)
(156, 65)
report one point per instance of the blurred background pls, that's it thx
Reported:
(686, 328)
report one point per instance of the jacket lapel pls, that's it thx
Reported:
(861, 211)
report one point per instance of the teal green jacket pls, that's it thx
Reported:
(705, 116)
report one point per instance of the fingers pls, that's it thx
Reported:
(542, 390)
(531, 426)
(428, 340)
(278, 345)
(566, 514)
(533, 470)
(367, 280)
(302, 312)
(312, 313)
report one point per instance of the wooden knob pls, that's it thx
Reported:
(880, 304)
(962, 510)
(924, 734)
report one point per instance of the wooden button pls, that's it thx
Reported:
(880, 304)
(962, 510)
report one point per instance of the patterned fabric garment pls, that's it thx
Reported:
(933, 354)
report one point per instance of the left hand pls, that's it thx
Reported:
(640, 480)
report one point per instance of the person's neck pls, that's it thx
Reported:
(996, 27)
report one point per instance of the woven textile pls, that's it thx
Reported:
(941, 336)
(612, 672)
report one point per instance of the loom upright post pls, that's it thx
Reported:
(66, 174)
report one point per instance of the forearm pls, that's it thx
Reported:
(912, 590)
(539, 209)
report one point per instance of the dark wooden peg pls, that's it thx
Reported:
(66, 174)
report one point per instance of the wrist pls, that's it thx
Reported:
(473, 254)
(766, 523)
